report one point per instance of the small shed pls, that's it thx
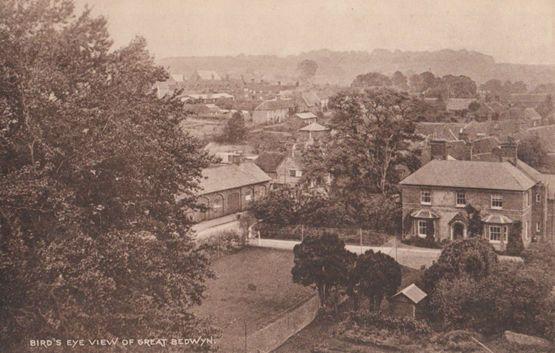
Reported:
(407, 302)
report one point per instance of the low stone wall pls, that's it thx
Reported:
(276, 333)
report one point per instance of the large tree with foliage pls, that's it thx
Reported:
(532, 151)
(234, 130)
(371, 79)
(307, 68)
(92, 240)
(375, 139)
(375, 276)
(324, 262)
(374, 143)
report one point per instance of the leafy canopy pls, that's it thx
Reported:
(324, 262)
(92, 239)
(375, 276)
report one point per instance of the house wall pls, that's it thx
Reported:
(305, 122)
(269, 116)
(444, 204)
(550, 221)
(539, 211)
(283, 176)
(402, 307)
(314, 135)
(229, 201)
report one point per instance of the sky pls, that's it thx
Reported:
(516, 31)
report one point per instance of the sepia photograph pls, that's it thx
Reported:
(277, 176)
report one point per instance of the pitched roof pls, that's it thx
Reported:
(231, 176)
(310, 98)
(413, 293)
(269, 161)
(275, 104)
(314, 127)
(305, 116)
(531, 114)
(458, 103)
(547, 179)
(528, 98)
(471, 174)
(484, 145)
(497, 219)
(442, 131)
(424, 213)
(208, 75)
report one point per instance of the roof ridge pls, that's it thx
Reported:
(514, 167)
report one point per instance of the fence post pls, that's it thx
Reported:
(360, 236)
(245, 322)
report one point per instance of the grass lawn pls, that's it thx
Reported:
(253, 286)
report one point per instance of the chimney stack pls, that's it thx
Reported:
(463, 135)
(508, 151)
(438, 149)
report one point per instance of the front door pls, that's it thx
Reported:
(458, 231)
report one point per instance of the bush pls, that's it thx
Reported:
(427, 242)
(377, 320)
(458, 341)
(515, 246)
(473, 257)
(541, 256)
(512, 297)
(226, 242)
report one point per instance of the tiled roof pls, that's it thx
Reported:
(497, 219)
(412, 292)
(530, 98)
(443, 131)
(458, 149)
(305, 116)
(471, 174)
(458, 103)
(208, 75)
(314, 127)
(547, 179)
(275, 104)
(311, 99)
(484, 145)
(231, 176)
(424, 213)
(269, 161)
(531, 114)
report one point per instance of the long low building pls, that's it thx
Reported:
(230, 188)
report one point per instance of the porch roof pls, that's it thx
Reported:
(424, 213)
(497, 219)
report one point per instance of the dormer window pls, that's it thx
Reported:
(497, 202)
(426, 197)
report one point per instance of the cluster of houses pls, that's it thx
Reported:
(471, 162)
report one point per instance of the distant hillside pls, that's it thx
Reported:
(341, 67)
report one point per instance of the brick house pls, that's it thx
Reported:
(230, 188)
(506, 191)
